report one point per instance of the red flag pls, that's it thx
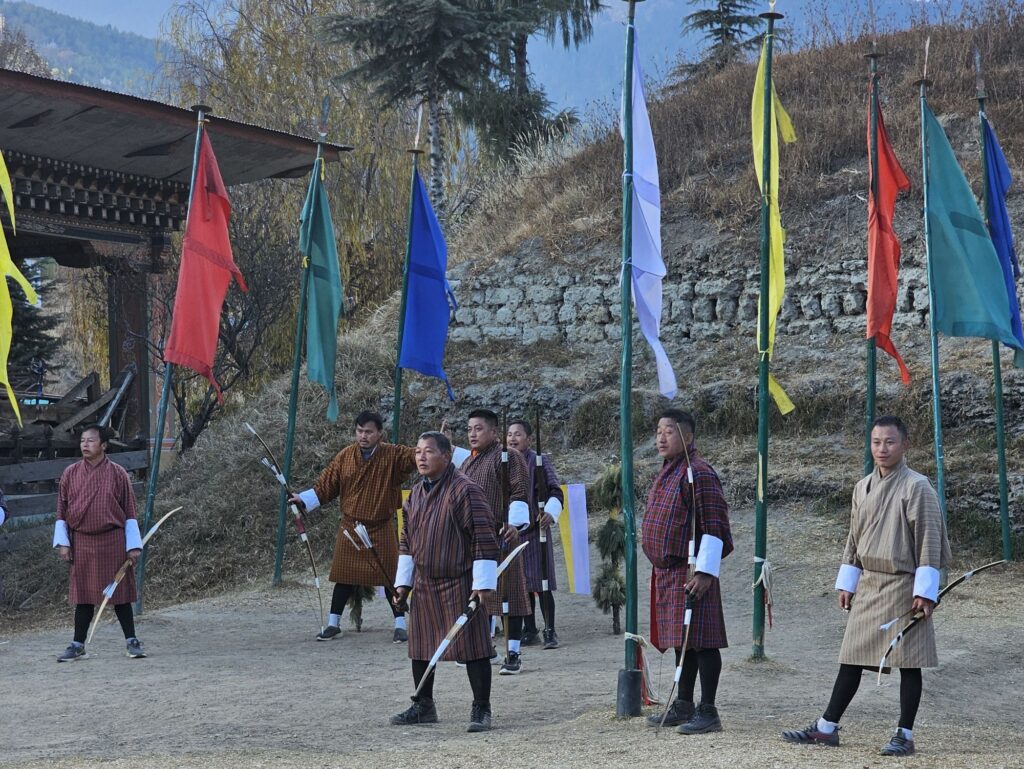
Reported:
(883, 245)
(207, 266)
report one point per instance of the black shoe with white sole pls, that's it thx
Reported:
(328, 633)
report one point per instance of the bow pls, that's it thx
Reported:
(270, 462)
(464, 618)
(541, 495)
(108, 591)
(920, 615)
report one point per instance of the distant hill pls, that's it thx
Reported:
(87, 53)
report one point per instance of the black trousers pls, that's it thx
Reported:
(708, 664)
(479, 672)
(848, 681)
(341, 595)
(547, 609)
(84, 614)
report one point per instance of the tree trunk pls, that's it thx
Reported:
(616, 624)
(522, 76)
(436, 159)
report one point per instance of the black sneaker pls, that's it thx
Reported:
(550, 638)
(422, 711)
(135, 650)
(530, 638)
(680, 712)
(513, 665)
(328, 633)
(705, 719)
(72, 653)
(812, 735)
(899, 745)
(400, 636)
(479, 719)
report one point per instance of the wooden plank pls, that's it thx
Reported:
(81, 416)
(27, 472)
(45, 504)
(80, 390)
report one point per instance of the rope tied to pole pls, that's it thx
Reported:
(765, 580)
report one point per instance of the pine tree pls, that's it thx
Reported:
(730, 27)
(32, 328)
(426, 51)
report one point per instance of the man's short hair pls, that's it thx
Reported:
(440, 440)
(485, 414)
(888, 420)
(369, 416)
(681, 417)
(525, 425)
(103, 431)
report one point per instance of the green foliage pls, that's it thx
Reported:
(731, 28)
(606, 492)
(83, 52)
(611, 541)
(361, 595)
(609, 588)
(32, 325)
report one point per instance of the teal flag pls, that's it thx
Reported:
(316, 241)
(967, 278)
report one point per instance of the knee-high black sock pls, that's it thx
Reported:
(688, 680)
(847, 683)
(83, 616)
(515, 628)
(709, 663)
(339, 598)
(479, 672)
(419, 668)
(126, 618)
(530, 621)
(547, 608)
(910, 695)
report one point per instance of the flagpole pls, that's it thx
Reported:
(396, 413)
(293, 397)
(940, 460)
(761, 508)
(628, 700)
(997, 370)
(872, 348)
(202, 112)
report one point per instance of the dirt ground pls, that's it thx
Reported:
(238, 681)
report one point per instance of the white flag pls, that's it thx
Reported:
(648, 267)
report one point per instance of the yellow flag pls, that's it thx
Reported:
(7, 269)
(779, 122)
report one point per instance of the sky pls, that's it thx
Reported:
(589, 78)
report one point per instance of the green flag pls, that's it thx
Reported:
(969, 289)
(316, 241)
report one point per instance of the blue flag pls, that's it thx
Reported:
(427, 310)
(316, 241)
(967, 280)
(998, 180)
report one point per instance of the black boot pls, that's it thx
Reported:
(422, 711)
(480, 718)
(680, 712)
(705, 719)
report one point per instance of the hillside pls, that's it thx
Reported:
(87, 53)
(535, 271)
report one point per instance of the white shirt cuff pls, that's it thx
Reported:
(709, 559)
(132, 536)
(403, 575)
(485, 575)
(926, 583)
(3, 516)
(553, 508)
(61, 537)
(460, 455)
(518, 514)
(309, 499)
(849, 576)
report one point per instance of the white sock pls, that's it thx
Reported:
(513, 647)
(826, 727)
(494, 625)
(400, 623)
(908, 733)
(334, 620)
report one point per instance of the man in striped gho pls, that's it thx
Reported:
(96, 530)
(544, 514)
(666, 534)
(483, 466)
(894, 553)
(448, 558)
(366, 477)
